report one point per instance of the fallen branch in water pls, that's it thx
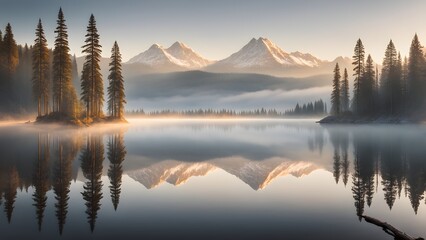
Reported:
(389, 229)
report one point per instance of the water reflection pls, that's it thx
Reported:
(396, 157)
(41, 178)
(116, 155)
(368, 159)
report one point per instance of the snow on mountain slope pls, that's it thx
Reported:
(178, 54)
(262, 52)
(187, 56)
(260, 56)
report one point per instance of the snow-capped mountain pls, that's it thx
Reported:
(257, 56)
(177, 57)
(263, 56)
(262, 52)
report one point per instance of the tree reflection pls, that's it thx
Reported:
(12, 184)
(92, 157)
(116, 155)
(397, 160)
(41, 179)
(66, 150)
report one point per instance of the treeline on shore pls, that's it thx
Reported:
(262, 112)
(316, 108)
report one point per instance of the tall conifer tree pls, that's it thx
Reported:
(41, 70)
(391, 81)
(367, 88)
(63, 90)
(91, 79)
(10, 51)
(358, 63)
(335, 94)
(344, 92)
(116, 96)
(415, 81)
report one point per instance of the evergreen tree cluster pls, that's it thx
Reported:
(398, 91)
(15, 70)
(49, 76)
(316, 108)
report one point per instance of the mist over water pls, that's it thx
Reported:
(211, 179)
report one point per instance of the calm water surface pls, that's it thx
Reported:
(198, 179)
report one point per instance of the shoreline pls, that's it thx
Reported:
(369, 120)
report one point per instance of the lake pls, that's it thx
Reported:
(211, 179)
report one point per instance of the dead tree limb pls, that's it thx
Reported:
(389, 229)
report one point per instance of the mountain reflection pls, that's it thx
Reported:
(366, 159)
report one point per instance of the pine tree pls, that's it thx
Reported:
(391, 81)
(344, 92)
(10, 52)
(116, 95)
(63, 90)
(358, 63)
(91, 79)
(404, 85)
(41, 70)
(335, 94)
(367, 89)
(416, 84)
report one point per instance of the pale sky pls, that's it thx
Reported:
(218, 28)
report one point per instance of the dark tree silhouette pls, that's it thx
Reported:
(116, 155)
(344, 92)
(12, 183)
(41, 178)
(345, 161)
(335, 94)
(64, 94)
(366, 101)
(358, 189)
(41, 71)
(91, 164)
(10, 57)
(91, 78)
(390, 81)
(116, 95)
(358, 63)
(62, 179)
(416, 83)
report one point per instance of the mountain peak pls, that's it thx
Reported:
(155, 46)
(178, 55)
(178, 44)
(262, 53)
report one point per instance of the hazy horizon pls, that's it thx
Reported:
(217, 29)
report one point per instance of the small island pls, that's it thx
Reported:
(393, 97)
(52, 78)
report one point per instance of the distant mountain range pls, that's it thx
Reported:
(177, 56)
(260, 56)
(257, 56)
